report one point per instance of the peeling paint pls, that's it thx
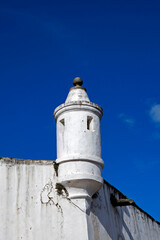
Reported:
(45, 194)
(34, 206)
(61, 189)
(56, 166)
(48, 195)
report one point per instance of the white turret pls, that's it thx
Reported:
(79, 146)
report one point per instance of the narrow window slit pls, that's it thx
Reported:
(90, 123)
(62, 122)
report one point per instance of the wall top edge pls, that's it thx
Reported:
(14, 161)
(121, 195)
(8, 160)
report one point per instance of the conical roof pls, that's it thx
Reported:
(77, 93)
(78, 99)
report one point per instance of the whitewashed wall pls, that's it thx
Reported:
(32, 209)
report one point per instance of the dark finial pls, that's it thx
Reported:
(77, 81)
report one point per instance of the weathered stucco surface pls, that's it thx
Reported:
(32, 208)
(79, 147)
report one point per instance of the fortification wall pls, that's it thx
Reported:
(34, 207)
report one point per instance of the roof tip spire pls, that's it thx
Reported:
(77, 81)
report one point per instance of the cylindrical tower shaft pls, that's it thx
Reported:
(79, 145)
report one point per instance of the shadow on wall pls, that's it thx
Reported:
(108, 221)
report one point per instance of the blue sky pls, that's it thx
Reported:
(114, 46)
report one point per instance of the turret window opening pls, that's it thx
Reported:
(62, 121)
(90, 123)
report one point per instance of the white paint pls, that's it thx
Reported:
(79, 94)
(79, 147)
(34, 207)
(120, 223)
(31, 209)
